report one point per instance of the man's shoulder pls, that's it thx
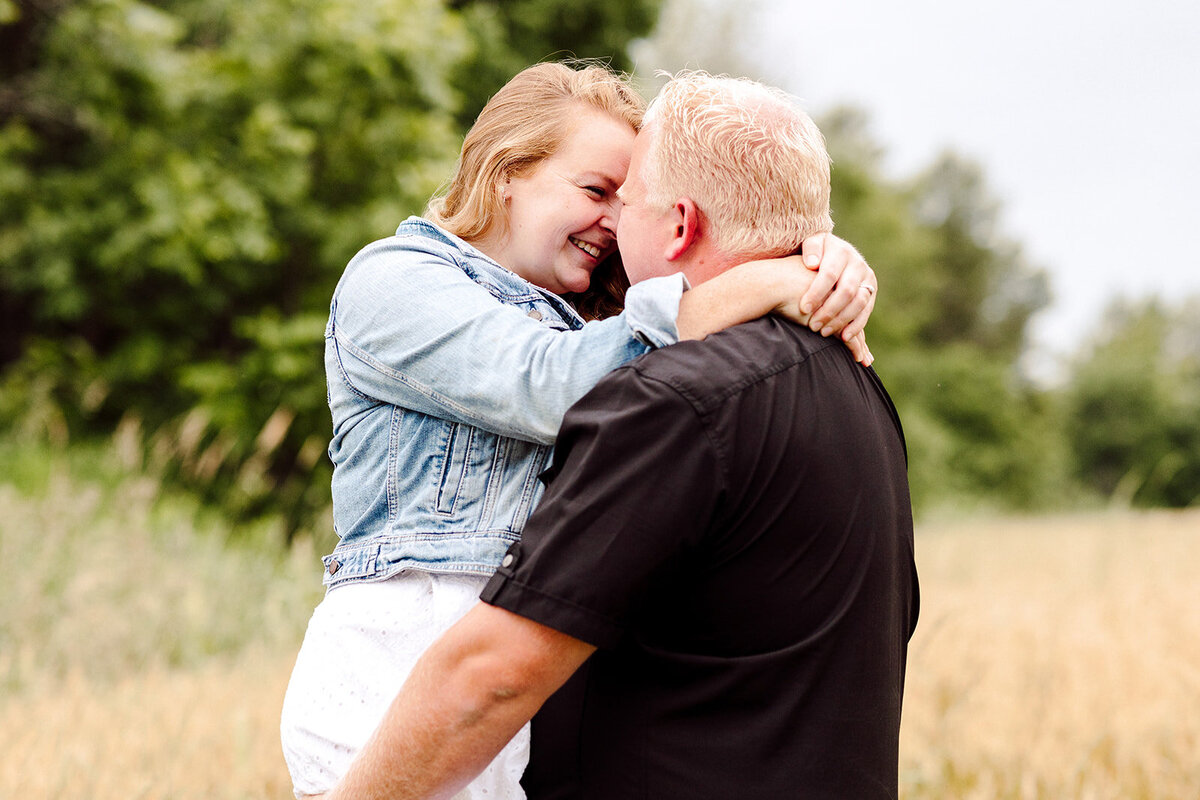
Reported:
(722, 364)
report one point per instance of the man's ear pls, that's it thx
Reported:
(685, 230)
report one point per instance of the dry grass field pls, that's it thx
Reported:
(141, 654)
(140, 657)
(205, 732)
(1056, 657)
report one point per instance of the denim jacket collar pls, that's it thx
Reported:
(507, 285)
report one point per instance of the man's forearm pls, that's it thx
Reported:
(431, 743)
(443, 728)
(465, 699)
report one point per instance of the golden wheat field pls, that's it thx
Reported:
(142, 657)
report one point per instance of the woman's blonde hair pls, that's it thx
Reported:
(522, 125)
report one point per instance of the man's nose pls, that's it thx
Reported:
(612, 216)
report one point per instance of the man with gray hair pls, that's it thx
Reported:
(726, 533)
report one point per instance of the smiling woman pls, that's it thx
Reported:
(451, 359)
(562, 215)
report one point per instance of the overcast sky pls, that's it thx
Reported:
(1085, 117)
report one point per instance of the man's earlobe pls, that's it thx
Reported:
(687, 228)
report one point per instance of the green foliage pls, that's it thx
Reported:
(976, 436)
(948, 331)
(1134, 407)
(182, 182)
(509, 35)
(956, 296)
(952, 277)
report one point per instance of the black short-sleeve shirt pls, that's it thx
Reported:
(729, 522)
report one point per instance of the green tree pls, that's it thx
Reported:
(509, 35)
(949, 330)
(182, 182)
(1134, 406)
(956, 294)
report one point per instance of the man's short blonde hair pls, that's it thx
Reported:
(753, 162)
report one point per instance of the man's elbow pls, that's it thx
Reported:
(489, 686)
(497, 663)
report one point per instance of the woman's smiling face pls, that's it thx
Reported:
(562, 215)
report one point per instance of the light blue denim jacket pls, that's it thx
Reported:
(448, 377)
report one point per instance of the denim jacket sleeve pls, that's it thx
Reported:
(412, 329)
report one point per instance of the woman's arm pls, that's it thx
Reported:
(410, 328)
(784, 286)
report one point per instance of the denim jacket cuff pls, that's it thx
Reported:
(652, 309)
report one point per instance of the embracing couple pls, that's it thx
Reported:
(655, 475)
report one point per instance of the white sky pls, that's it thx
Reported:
(1085, 117)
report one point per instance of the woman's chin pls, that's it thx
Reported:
(574, 284)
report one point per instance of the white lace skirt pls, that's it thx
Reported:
(361, 643)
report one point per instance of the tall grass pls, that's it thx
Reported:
(144, 656)
(209, 731)
(144, 647)
(1056, 658)
(105, 576)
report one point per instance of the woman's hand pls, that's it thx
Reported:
(784, 286)
(792, 284)
(842, 295)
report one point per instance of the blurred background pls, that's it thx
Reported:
(182, 182)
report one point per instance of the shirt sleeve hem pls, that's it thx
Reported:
(504, 591)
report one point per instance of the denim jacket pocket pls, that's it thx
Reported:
(456, 458)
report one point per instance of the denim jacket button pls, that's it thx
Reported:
(536, 315)
(334, 566)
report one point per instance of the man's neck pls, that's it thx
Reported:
(704, 266)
